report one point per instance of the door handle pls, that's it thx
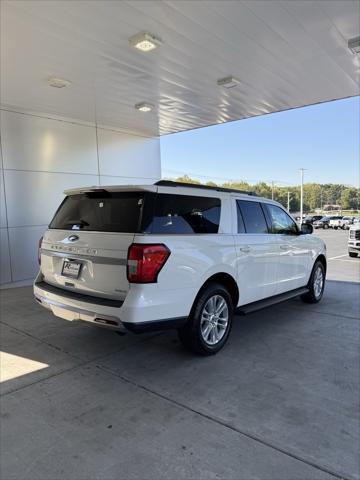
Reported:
(245, 249)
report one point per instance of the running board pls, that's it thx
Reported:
(267, 302)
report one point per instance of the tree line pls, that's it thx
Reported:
(316, 195)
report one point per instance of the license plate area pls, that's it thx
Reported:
(71, 269)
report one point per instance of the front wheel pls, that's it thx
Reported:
(353, 254)
(210, 321)
(316, 284)
(325, 227)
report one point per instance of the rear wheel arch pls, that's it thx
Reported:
(227, 281)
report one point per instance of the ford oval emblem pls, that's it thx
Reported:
(73, 238)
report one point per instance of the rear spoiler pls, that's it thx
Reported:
(111, 188)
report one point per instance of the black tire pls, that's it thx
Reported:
(191, 335)
(325, 226)
(353, 254)
(313, 295)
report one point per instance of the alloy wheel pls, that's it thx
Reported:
(214, 320)
(318, 282)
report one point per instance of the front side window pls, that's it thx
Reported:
(179, 214)
(281, 222)
(253, 217)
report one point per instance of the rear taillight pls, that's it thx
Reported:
(39, 250)
(145, 262)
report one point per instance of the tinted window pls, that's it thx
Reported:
(176, 214)
(241, 226)
(100, 211)
(281, 222)
(253, 217)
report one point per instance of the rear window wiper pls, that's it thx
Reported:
(81, 223)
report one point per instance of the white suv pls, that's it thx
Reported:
(174, 255)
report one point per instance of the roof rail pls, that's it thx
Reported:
(170, 183)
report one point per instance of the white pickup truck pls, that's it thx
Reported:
(354, 240)
(336, 222)
(344, 223)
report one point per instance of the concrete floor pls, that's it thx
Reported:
(279, 402)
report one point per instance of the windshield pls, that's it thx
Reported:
(100, 211)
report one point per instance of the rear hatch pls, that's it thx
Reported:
(85, 249)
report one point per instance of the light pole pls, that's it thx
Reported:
(301, 194)
(272, 189)
(321, 200)
(288, 201)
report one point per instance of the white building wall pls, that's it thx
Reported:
(40, 158)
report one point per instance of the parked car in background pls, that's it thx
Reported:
(322, 223)
(174, 255)
(311, 219)
(336, 222)
(346, 222)
(354, 240)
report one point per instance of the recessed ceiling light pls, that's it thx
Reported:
(58, 82)
(145, 41)
(354, 45)
(228, 82)
(144, 107)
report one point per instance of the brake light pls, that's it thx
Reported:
(145, 262)
(39, 250)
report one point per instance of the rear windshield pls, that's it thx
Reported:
(138, 212)
(100, 211)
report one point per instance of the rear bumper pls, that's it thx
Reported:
(157, 325)
(67, 307)
(107, 313)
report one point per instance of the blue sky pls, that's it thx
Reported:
(322, 138)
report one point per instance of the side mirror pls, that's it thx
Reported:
(306, 228)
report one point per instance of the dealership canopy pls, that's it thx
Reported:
(158, 67)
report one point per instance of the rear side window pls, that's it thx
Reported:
(241, 225)
(178, 214)
(100, 211)
(253, 217)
